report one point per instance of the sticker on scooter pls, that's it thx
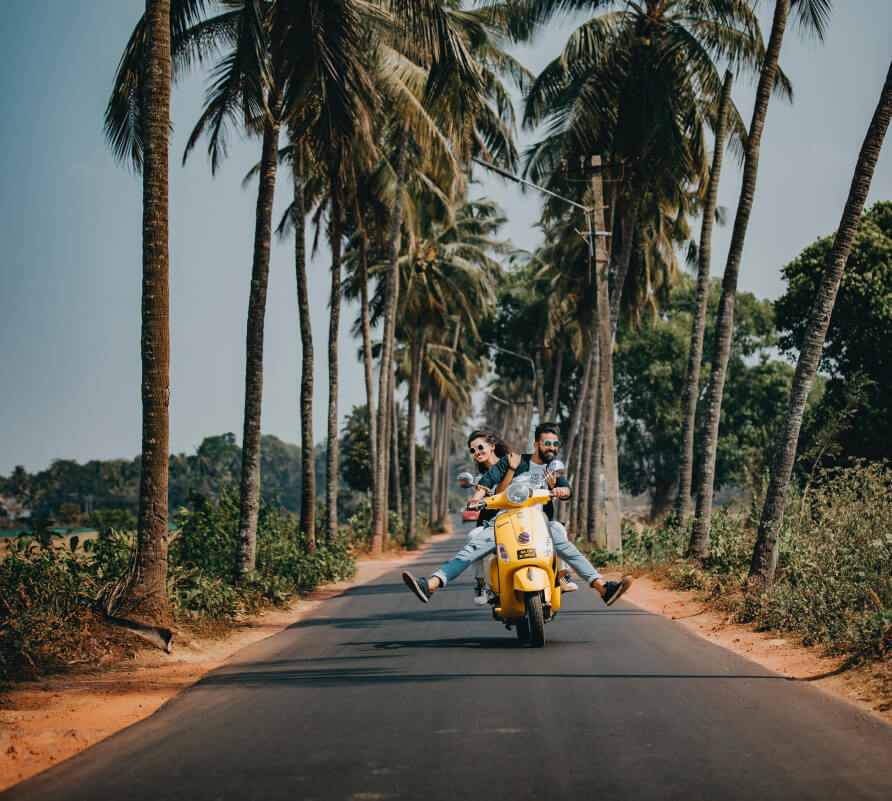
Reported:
(526, 553)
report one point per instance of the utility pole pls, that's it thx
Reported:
(602, 338)
(605, 431)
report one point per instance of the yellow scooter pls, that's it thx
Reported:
(523, 571)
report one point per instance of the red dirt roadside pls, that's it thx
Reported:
(44, 722)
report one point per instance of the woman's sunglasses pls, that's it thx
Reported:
(480, 447)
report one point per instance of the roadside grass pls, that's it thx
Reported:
(834, 577)
(48, 591)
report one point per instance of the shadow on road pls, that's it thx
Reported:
(362, 676)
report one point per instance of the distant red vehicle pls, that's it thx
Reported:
(469, 515)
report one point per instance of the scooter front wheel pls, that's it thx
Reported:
(523, 630)
(535, 619)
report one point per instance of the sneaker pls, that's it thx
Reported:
(480, 595)
(418, 586)
(566, 584)
(614, 589)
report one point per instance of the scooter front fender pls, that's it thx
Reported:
(531, 579)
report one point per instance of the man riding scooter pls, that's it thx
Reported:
(545, 449)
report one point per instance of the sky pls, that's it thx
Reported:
(70, 242)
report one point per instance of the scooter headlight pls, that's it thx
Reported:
(518, 493)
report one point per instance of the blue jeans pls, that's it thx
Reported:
(484, 543)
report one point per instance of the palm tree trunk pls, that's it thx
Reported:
(246, 552)
(395, 491)
(699, 544)
(629, 223)
(331, 455)
(572, 434)
(446, 439)
(764, 561)
(555, 387)
(384, 458)
(391, 298)
(593, 519)
(145, 594)
(575, 468)
(307, 448)
(365, 317)
(586, 464)
(698, 324)
(606, 420)
(434, 432)
(579, 511)
(412, 404)
(540, 383)
(445, 448)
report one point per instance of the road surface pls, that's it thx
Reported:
(378, 696)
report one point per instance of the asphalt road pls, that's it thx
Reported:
(381, 697)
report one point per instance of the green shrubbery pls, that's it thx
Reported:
(834, 578)
(47, 593)
(46, 598)
(358, 529)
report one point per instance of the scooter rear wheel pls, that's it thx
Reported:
(535, 619)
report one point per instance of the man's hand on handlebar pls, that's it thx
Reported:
(560, 492)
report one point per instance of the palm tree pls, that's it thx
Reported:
(812, 13)
(247, 85)
(137, 124)
(636, 85)
(428, 38)
(329, 100)
(440, 64)
(307, 447)
(450, 276)
(698, 324)
(764, 560)
(145, 595)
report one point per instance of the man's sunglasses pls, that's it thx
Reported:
(480, 447)
(548, 443)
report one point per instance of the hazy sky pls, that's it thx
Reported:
(71, 249)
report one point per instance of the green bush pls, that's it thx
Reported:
(46, 598)
(47, 593)
(833, 584)
(834, 577)
(203, 559)
(358, 529)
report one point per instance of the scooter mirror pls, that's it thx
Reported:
(465, 480)
(556, 467)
